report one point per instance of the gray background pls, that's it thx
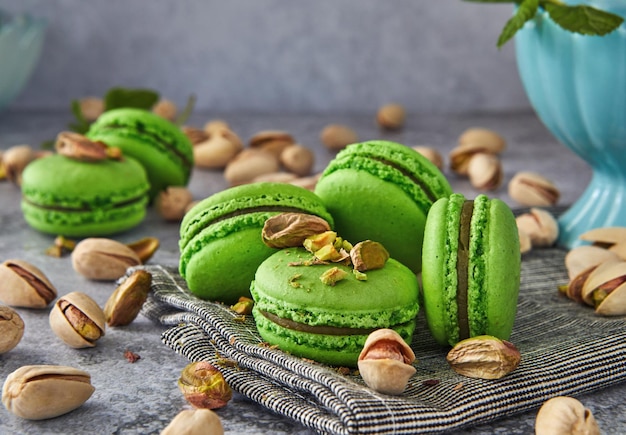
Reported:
(278, 56)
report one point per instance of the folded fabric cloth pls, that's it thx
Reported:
(566, 350)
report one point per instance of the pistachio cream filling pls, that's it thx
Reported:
(426, 188)
(317, 329)
(462, 267)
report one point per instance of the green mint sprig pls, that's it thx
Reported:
(582, 19)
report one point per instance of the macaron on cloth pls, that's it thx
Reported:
(64, 196)
(381, 190)
(220, 237)
(306, 317)
(470, 269)
(158, 144)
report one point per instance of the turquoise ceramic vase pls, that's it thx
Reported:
(577, 86)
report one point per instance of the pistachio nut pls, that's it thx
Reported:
(77, 320)
(562, 415)
(461, 156)
(203, 386)
(172, 202)
(243, 306)
(431, 154)
(583, 257)
(78, 147)
(525, 245)
(368, 255)
(540, 225)
(38, 392)
(24, 285)
(126, 301)
(385, 363)
(391, 116)
(103, 259)
(484, 357)
(217, 150)
(485, 171)
(287, 230)
(272, 141)
(14, 160)
(249, 164)
(275, 177)
(91, 108)
(145, 247)
(11, 328)
(308, 183)
(533, 190)
(216, 126)
(605, 289)
(298, 159)
(195, 422)
(165, 109)
(487, 139)
(605, 237)
(195, 135)
(333, 275)
(338, 136)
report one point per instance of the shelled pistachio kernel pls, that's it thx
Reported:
(38, 392)
(23, 285)
(77, 320)
(128, 298)
(203, 386)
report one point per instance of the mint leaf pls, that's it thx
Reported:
(138, 98)
(81, 125)
(526, 11)
(583, 19)
(186, 113)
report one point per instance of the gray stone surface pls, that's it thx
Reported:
(278, 55)
(143, 397)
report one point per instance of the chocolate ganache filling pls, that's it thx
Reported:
(462, 269)
(317, 329)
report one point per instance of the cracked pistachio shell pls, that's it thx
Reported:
(11, 329)
(540, 225)
(533, 190)
(38, 392)
(583, 257)
(24, 285)
(103, 259)
(195, 422)
(286, 230)
(385, 363)
(485, 171)
(605, 288)
(484, 357)
(489, 140)
(565, 415)
(431, 154)
(77, 320)
(126, 301)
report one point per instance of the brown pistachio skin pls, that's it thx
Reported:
(484, 357)
(562, 415)
(126, 301)
(204, 386)
(39, 392)
(11, 329)
(195, 422)
(103, 259)
(77, 320)
(24, 285)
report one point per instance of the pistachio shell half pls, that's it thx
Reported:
(583, 257)
(38, 392)
(565, 415)
(24, 285)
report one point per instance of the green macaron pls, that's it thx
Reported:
(470, 269)
(382, 191)
(220, 237)
(63, 196)
(159, 145)
(302, 315)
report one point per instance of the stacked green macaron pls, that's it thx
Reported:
(470, 269)
(64, 196)
(220, 237)
(306, 317)
(159, 145)
(382, 191)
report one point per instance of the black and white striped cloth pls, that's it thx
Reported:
(566, 350)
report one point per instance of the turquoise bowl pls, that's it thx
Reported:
(21, 42)
(577, 86)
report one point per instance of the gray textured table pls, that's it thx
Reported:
(143, 397)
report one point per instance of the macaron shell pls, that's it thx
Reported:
(388, 299)
(377, 190)
(77, 198)
(159, 145)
